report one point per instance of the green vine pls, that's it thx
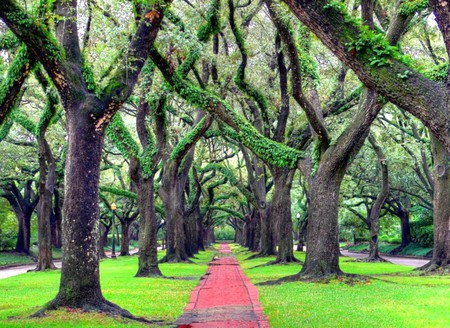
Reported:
(187, 140)
(118, 192)
(118, 133)
(410, 7)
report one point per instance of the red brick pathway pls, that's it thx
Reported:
(225, 298)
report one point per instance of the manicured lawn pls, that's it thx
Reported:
(152, 298)
(10, 258)
(394, 297)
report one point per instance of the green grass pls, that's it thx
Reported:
(394, 297)
(152, 298)
(10, 258)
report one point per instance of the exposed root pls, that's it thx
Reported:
(259, 255)
(39, 268)
(174, 259)
(374, 259)
(153, 273)
(104, 306)
(436, 267)
(349, 279)
(277, 262)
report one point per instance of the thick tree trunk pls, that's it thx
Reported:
(173, 199)
(80, 281)
(125, 243)
(148, 230)
(441, 208)
(322, 255)
(280, 210)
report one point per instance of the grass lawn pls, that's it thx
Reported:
(395, 296)
(11, 258)
(152, 298)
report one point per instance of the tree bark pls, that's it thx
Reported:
(46, 188)
(80, 281)
(148, 243)
(441, 208)
(57, 220)
(280, 211)
(374, 215)
(125, 242)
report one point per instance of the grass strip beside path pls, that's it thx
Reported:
(152, 298)
(395, 296)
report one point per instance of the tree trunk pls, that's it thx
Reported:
(200, 239)
(173, 198)
(46, 187)
(302, 234)
(21, 244)
(103, 240)
(125, 245)
(267, 247)
(190, 228)
(441, 208)
(148, 230)
(280, 210)
(56, 224)
(80, 281)
(322, 255)
(374, 216)
(403, 215)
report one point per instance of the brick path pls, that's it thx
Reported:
(225, 297)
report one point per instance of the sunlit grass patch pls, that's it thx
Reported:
(152, 298)
(394, 297)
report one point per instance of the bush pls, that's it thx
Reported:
(224, 233)
(7, 240)
(422, 235)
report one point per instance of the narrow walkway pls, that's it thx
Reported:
(225, 297)
(407, 261)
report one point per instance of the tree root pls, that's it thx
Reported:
(436, 267)
(154, 273)
(106, 307)
(174, 259)
(277, 262)
(374, 259)
(259, 255)
(38, 268)
(349, 279)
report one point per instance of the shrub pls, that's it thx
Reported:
(422, 235)
(224, 233)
